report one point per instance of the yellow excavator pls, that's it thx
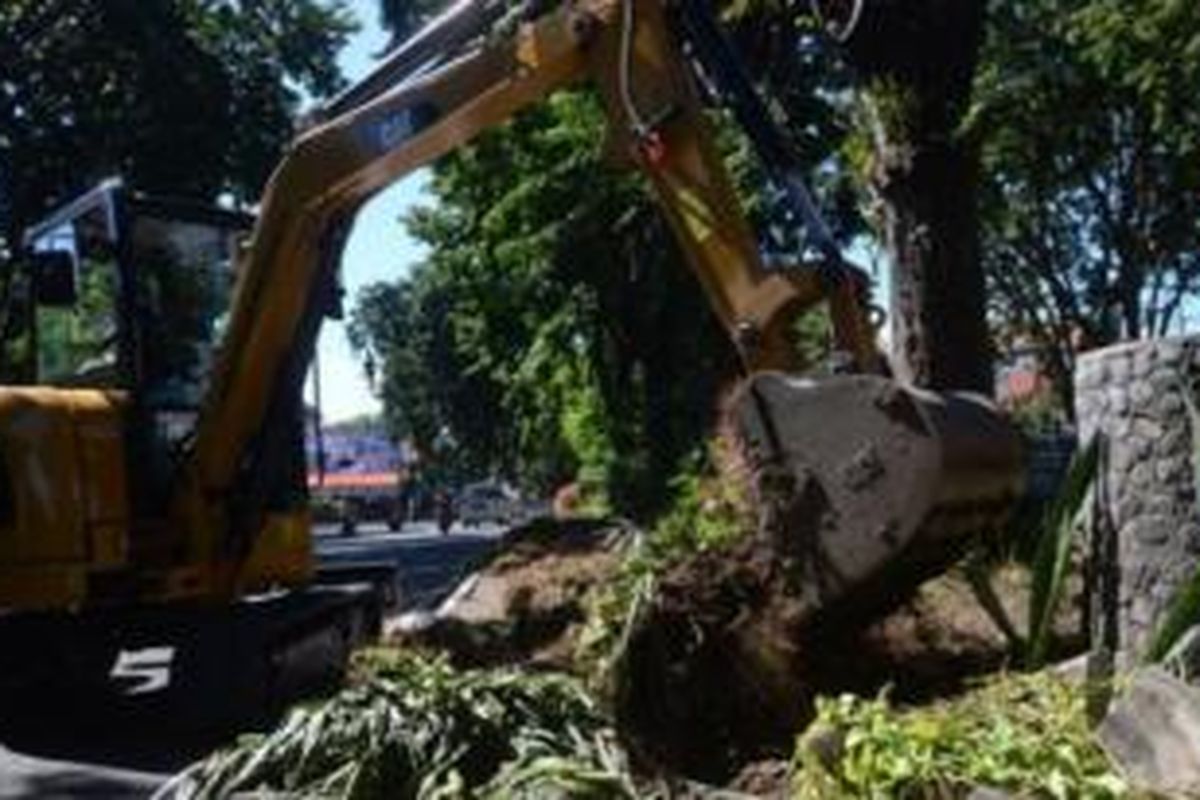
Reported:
(154, 522)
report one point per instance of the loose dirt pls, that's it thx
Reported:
(527, 604)
(723, 669)
(719, 673)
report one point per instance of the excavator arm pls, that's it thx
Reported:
(423, 103)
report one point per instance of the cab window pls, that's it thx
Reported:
(77, 336)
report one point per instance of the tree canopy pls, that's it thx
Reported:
(186, 97)
(1091, 203)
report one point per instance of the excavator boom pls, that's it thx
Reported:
(380, 132)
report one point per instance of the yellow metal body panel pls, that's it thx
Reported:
(282, 554)
(68, 522)
(64, 466)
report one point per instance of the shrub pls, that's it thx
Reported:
(1021, 733)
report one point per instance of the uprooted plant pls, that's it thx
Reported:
(710, 511)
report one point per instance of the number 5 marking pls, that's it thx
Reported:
(151, 666)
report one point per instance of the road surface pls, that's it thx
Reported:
(429, 565)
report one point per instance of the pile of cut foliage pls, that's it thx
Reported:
(411, 727)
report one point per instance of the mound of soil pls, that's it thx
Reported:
(719, 674)
(527, 603)
(723, 668)
(712, 674)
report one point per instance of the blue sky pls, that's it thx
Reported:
(378, 249)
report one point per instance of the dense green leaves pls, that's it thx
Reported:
(184, 97)
(1025, 734)
(1091, 201)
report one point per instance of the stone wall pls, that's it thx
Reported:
(1133, 394)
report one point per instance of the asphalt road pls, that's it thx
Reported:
(429, 565)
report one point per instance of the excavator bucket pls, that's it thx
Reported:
(869, 486)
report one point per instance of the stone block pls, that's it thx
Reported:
(1174, 440)
(1172, 351)
(1148, 430)
(1142, 362)
(1141, 395)
(1165, 381)
(1117, 368)
(1139, 448)
(1170, 403)
(1141, 476)
(1150, 529)
(1116, 400)
(1152, 734)
(1190, 534)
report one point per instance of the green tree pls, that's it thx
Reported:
(186, 97)
(552, 328)
(555, 327)
(1091, 195)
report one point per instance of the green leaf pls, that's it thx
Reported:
(1053, 554)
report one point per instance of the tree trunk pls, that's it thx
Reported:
(916, 60)
(928, 225)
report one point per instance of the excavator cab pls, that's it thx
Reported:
(131, 293)
(102, 605)
(129, 296)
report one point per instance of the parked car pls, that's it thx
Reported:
(481, 503)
